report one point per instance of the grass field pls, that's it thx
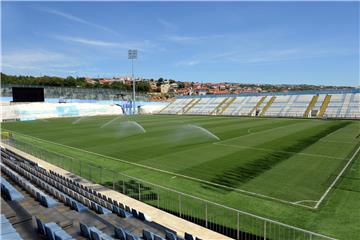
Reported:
(276, 168)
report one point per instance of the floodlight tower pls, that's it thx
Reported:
(132, 54)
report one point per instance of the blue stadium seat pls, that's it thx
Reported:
(188, 236)
(127, 208)
(9, 191)
(130, 236)
(121, 206)
(147, 235)
(11, 236)
(95, 233)
(84, 230)
(124, 214)
(170, 235)
(93, 206)
(40, 225)
(62, 235)
(157, 237)
(142, 216)
(7, 228)
(134, 213)
(102, 210)
(119, 233)
(47, 201)
(115, 209)
(3, 219)
(50, 229)
(78, 206)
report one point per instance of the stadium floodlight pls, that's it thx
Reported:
(132, 54)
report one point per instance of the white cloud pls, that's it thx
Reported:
(168, 25)
(188, 63)
(141, 46)
(79, 20)
(265, 56)
(91, 42)
(183, 39)
(36, 60)
(31, 57)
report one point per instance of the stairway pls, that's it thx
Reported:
(257, 105)
(324, 106)
(268, 104)
(191, 105)
(311, 105)
(227, 104)
(215, 110)
(183, 108)
(347, 100)
(163, 109)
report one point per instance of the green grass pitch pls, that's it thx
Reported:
(276, 168)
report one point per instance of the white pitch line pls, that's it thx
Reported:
(255, 133)
(304, 201)
(336, 179)
(330, 141)
(172, 173)
(272, 150)
(78, 120)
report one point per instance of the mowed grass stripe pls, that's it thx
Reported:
(296, 179)
(194, 157)
(236, 176)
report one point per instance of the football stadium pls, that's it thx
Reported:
(279, 166)
(258, 138)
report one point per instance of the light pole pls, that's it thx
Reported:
(132, 54)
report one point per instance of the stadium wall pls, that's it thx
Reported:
(33, 111)
(304, 104)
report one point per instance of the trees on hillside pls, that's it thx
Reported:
(141, 86)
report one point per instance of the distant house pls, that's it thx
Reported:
(164, 88)
(153, 85)
(200, 91)
(183, 91)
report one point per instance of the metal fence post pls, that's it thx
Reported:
(179, 204)
(206, 214)
(100, 174)
(265, 230)
(238, 226)
(124, 190)
(72, 166)
(114, 180)
(139, 192)
(158, 198)
(90, 173)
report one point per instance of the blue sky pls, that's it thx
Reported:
(271, 42)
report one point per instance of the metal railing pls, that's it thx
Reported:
(225, 220)
(299, 92)
(78, 93)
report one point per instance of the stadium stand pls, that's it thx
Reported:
(219, 103)
(82, 211)
(319, 104)
(78, 93)
(176, 107)
(8, 191)
(8, 232)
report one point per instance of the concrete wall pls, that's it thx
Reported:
(32, 111)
